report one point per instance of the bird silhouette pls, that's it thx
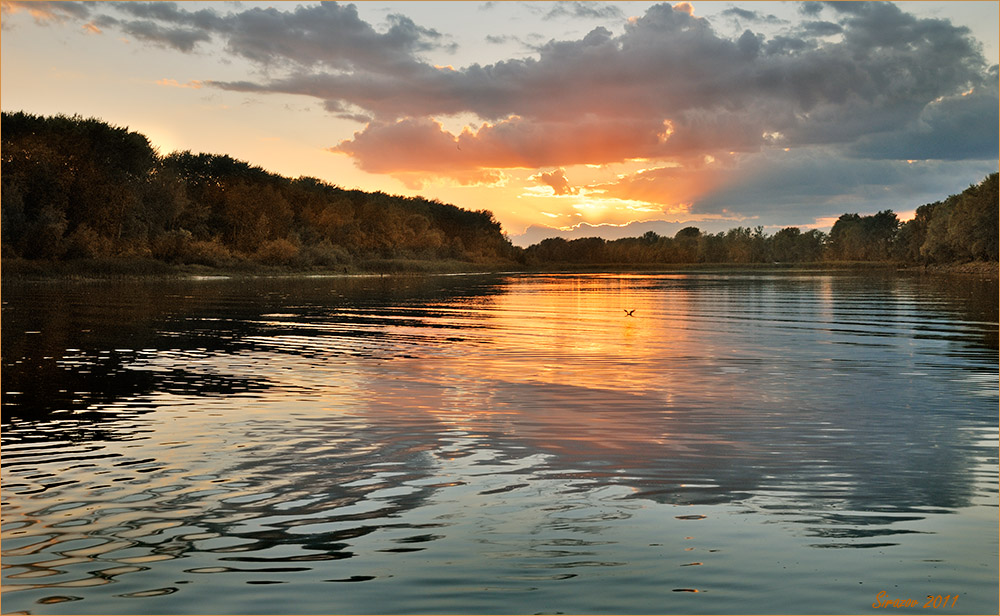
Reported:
(628, 313)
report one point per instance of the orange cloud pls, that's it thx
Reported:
(417, 146)
(44, 11)
(478, 177)
(41, 12)
(556, 180)
(684, 7)
(90, 27)
(671, 187)
(173, 83)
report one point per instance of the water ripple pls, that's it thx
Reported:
(498, 444)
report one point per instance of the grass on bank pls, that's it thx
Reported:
(111, 268)
(128, 268)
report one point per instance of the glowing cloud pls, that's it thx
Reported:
(43, 11)
(684, 7)
(173, 83)
(556, 180)
(423, 146)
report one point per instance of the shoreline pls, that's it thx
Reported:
(983, 269)
(148, 269)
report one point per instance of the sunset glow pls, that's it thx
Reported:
(547, 114)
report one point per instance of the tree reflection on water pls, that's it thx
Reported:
(269, 429)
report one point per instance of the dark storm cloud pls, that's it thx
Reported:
(327, 35)
(170, 12)
(818, 182)
(952, 128)
(182, 39)
(754, 16)
(821, 28)
(788, 45)
(811, 8)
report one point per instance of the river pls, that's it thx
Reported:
(743, 442)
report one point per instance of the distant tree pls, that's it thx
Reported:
(785, 245)
(880, 232)
(712, 248)
(811, 245)
(549, 250)
(739, 245)
(912, 235)
(859, 238)
(686, 244)
(847, 237)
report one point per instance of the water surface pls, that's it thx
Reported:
(745, 443)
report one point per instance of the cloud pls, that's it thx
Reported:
(948, 128)
(820, 182)
(583, 10)
(173, 83)
(860, 86)
(667, 186)
(500, 39)
(327, 35)
(44, 12)
(206, 20)
(821, 28)
(423, 147)
(182, 39)
(753, 16)
(556, 180)
(811, 8)
(720, 94)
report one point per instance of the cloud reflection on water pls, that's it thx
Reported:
(281, 430)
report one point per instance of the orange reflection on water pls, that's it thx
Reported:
(574, 331)
(557, 361)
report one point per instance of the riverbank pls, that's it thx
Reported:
(123, 269)
(983, 269)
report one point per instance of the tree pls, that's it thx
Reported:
(74, 187)
(859, 238)
(972, 226)
(785, 244)
(686, 244)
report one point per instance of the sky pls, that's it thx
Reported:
(562, 118)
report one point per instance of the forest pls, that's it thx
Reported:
(81, 189)
(76, 189)
(963, 228)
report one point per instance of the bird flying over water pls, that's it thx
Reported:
(628, 313)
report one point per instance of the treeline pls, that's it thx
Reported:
(689, 245)
(75, 188)
(962, 228)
